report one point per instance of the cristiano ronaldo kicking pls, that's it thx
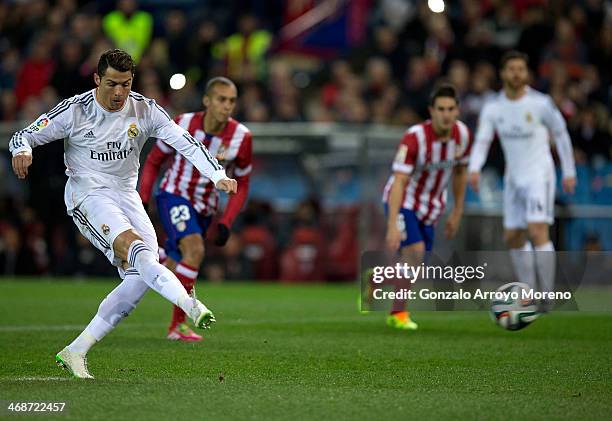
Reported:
(104, 131)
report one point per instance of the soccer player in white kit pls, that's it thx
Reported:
(104, 131)
(522, 118)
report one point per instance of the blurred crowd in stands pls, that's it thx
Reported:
(358, 61)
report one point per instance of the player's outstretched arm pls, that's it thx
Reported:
(242, 172)
(47, 128)
(166, 130)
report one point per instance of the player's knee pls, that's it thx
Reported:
(538, 234)
(515, 239)
(413, 253)
(122, 243)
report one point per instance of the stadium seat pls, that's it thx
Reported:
(260, 250)
(304, 259)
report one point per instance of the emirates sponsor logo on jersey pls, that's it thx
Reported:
(110, 155)
(439, 165)
(113, 152)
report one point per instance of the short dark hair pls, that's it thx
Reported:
(513, 55)
(445, 90)
(219, 80)
(118, 60)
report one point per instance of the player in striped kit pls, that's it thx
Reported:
(430, 156)
(186, 200)
(104, 131)
(522, 118)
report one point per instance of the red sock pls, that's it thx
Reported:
(187, 275)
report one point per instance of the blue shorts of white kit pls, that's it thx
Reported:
(412, 229)
(179, 219)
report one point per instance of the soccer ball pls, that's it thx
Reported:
(510, 310)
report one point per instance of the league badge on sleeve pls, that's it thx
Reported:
(400, 156)
(39, 124)
(42, 123)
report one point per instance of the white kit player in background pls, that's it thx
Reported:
(523, 118)
(104, 131)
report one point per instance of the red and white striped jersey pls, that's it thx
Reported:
(232, 148)
(429, 161)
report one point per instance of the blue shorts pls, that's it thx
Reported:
(412, 229)
(179, 219)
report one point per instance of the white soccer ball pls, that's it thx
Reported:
(513, 311)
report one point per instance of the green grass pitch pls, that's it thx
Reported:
(300, 352)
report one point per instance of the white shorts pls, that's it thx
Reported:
(105, 213)
(531, 203)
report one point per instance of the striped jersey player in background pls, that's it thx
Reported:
(104, 131)
(522, 118)
(428, 157)
(187, 200)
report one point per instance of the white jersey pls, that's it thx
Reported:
(522, 126)
(102, 148)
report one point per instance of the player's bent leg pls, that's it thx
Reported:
(115, 307)
(192, 252)
(129, 246)
(192, 249)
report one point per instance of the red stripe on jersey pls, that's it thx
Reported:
(195, 123)
(425, 173)
(179, 174)
(435, 190)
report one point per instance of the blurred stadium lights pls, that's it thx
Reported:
(436, 6)
(177, 81)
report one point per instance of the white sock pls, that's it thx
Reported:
(523, 261)
(114, 308)
(83, 342)
(157, 276)
(545, 265)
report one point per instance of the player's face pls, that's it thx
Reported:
(221, 102)
(515, 73)
(444, 114)
(113, 88)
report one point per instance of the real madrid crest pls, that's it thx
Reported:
(105, 229)
(133, 131)
(528, 117)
